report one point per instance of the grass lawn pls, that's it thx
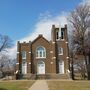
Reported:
(69, 85)
(15, 85)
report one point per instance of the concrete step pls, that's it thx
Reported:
(58, 76)
(26, 76)
(45, 76)
(52, 76)
(40, 76)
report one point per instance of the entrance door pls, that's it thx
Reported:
(24, 68)
(40, 67)
(61, 67)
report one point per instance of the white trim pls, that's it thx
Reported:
(53, 42)
(58, 39)
(60, 54)
(29, 63)
(51, 51)
(17, 52)
(51, 62)
(16, 71)
(29, 52)
(17, 63)
(62, 39)
(53, 57)
(66, 42)
(40, 57)
(67, 57)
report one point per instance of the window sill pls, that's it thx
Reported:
(57, 39)
(62, 39)
(60, 54)
(40, 57)
(23, 58)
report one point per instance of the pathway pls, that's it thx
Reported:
(39, 85)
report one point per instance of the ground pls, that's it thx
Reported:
(16, 85)
(52, 84)
(68, 85)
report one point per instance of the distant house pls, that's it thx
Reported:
(43, 57)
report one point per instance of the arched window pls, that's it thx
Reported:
(40, 52)
(60, 51)
(62, 34)
(23, 54)
(61, 67)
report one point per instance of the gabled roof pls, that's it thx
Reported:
(40, 36)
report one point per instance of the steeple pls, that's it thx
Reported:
(54, 33)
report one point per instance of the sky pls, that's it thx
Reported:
(24, 19)
(18, 17)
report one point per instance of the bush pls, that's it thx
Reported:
(19, 76)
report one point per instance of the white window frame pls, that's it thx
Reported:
(23, 54)
(61, 64)
(60, 51)
(40, 63)
(41, 53)
(24, 68)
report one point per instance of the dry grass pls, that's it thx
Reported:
(69, 85)
(15, 85)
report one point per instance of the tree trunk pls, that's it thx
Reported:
(72, 69)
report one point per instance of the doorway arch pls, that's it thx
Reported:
(61, 67)
(40, 67)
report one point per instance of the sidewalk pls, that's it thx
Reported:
(39, 85)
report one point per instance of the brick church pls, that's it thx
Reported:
(42, 56)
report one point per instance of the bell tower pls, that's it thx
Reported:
(54, 33)
(63, 33)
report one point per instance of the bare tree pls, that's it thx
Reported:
(79, 20)
(5, 42)
(79, 66)
(7, 65)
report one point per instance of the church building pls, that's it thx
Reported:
(41, 56)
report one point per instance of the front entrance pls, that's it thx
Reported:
(61, 67)
(24, 68)
(40, 67)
